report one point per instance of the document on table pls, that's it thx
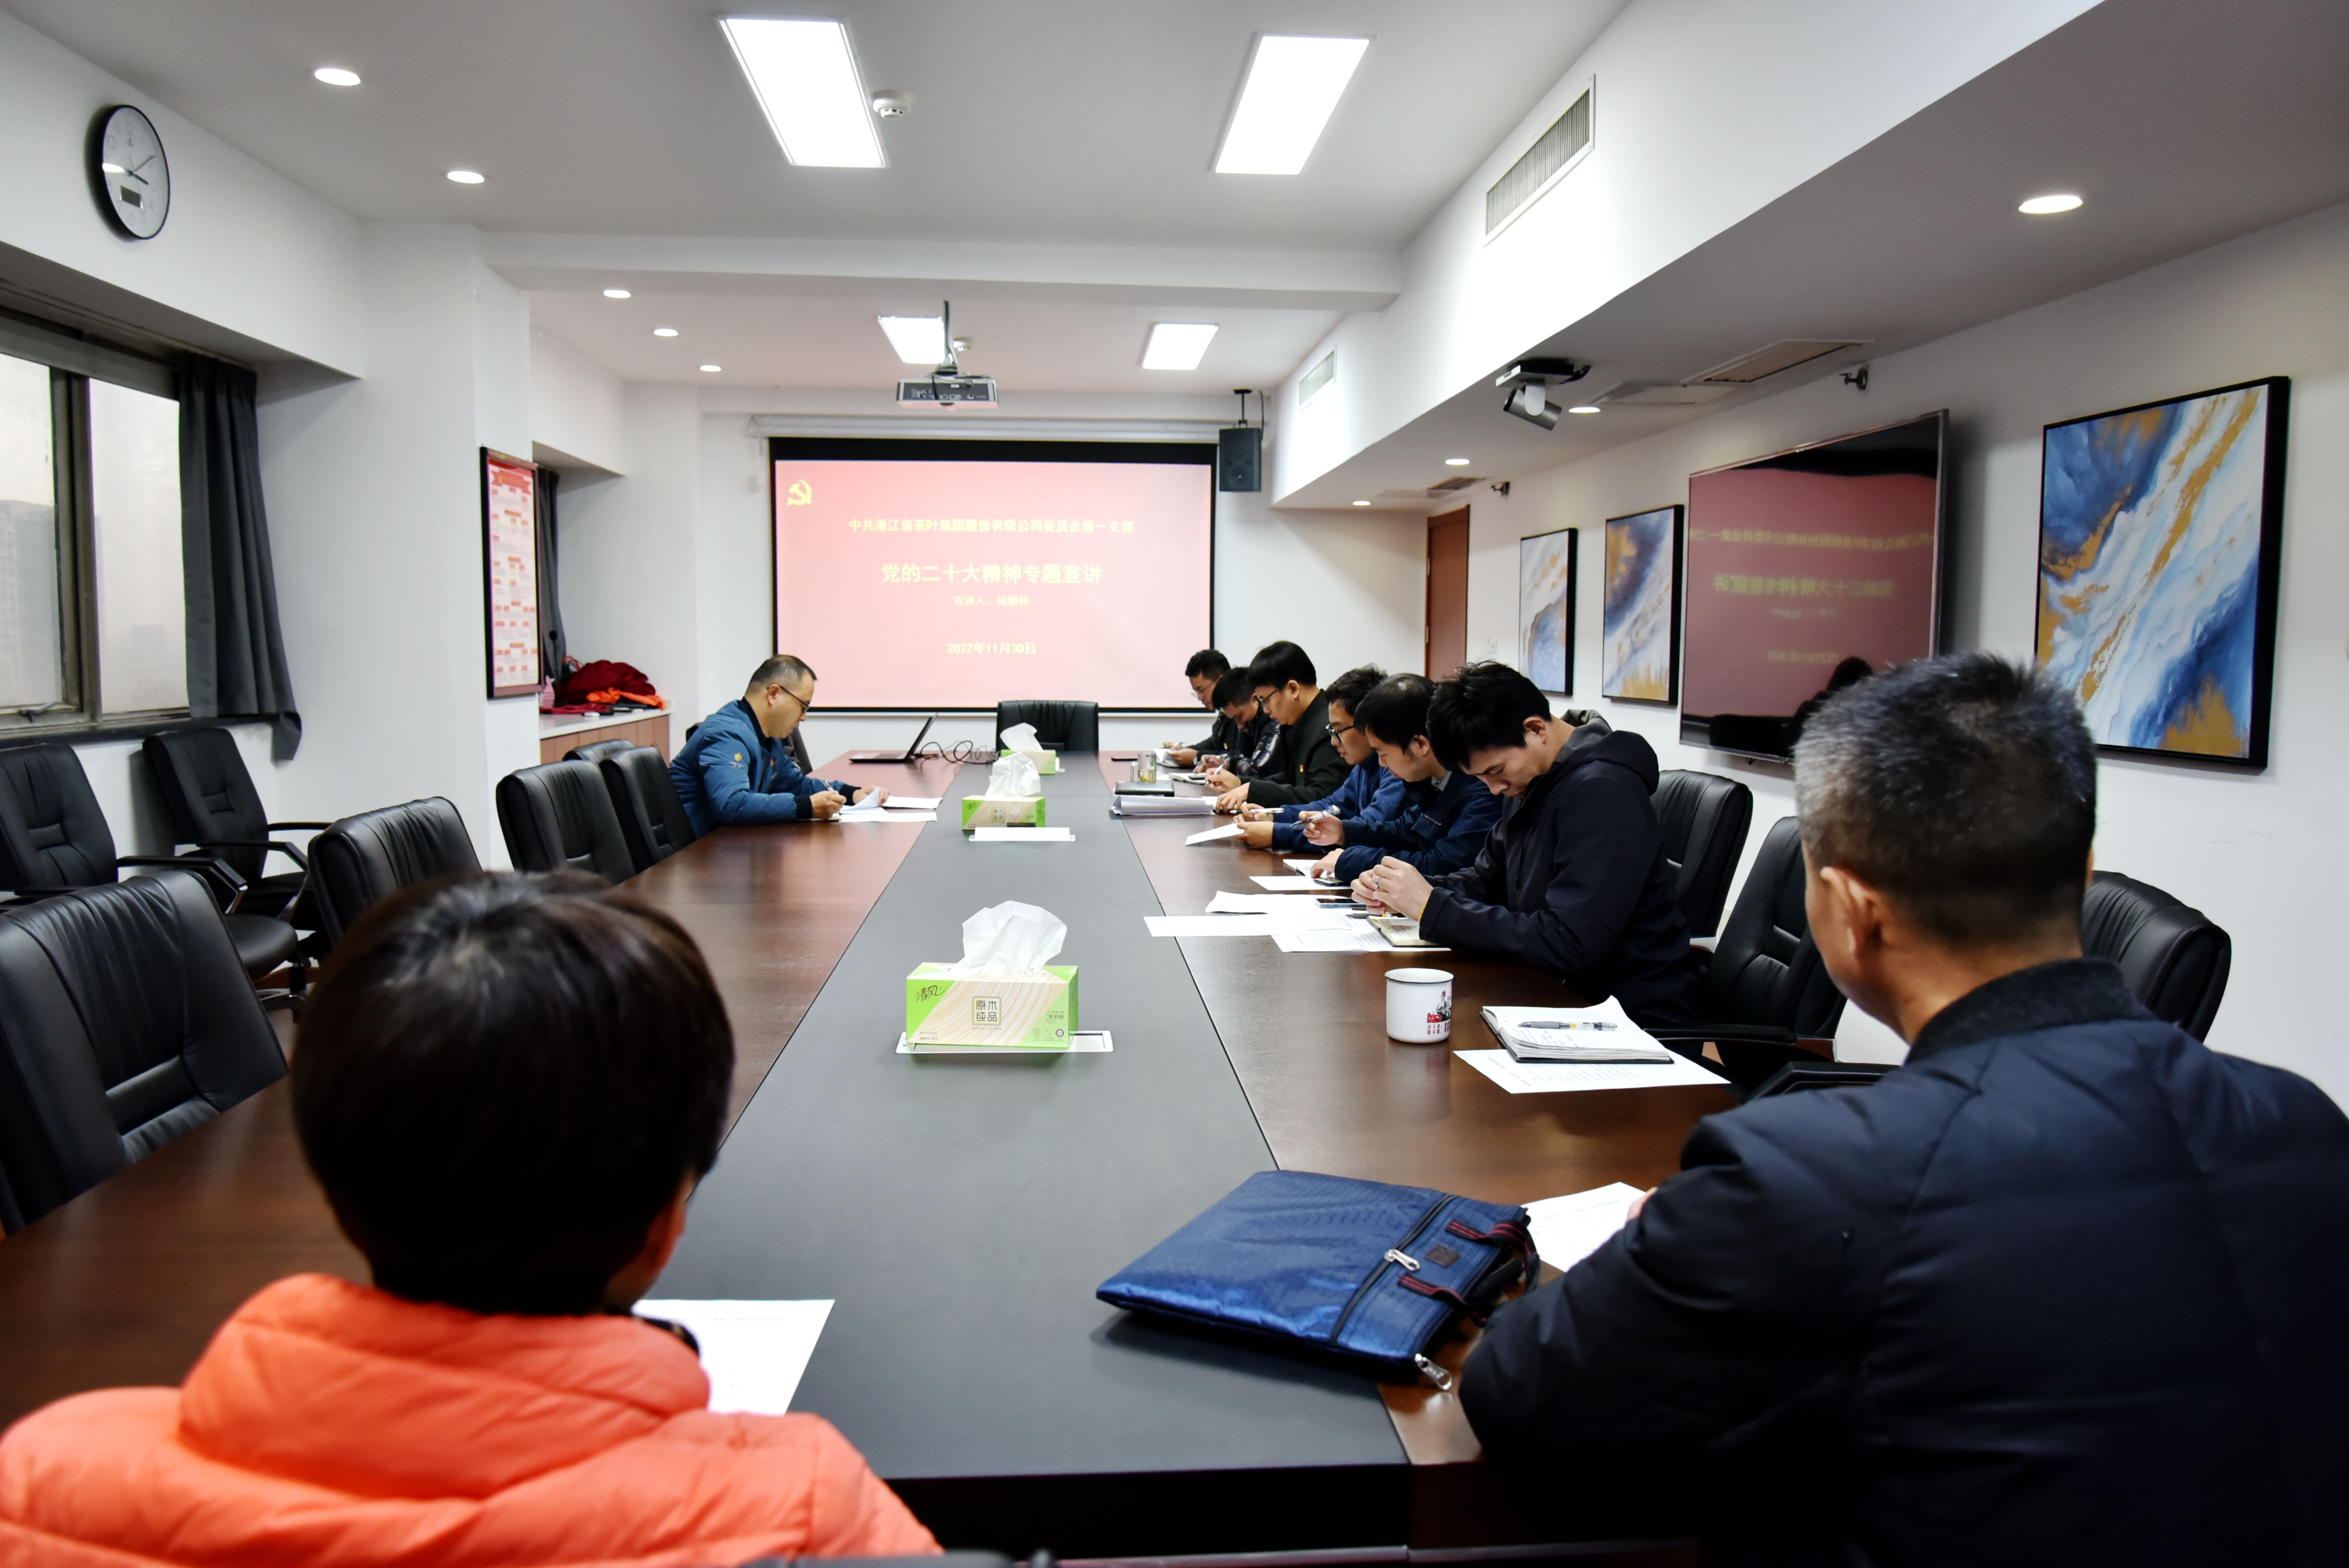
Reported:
(913, 802)
(1570, 1229)
(1559, 1077)
(1023, 835)
(1293, 884)
(1214, 925)
(1349, 937)
(882, 814)
(1303, 868)
(1229, 830)
(754, 1351)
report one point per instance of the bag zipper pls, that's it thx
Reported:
(1379, 1272)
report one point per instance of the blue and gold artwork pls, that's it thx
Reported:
(2158, 529)
(1546, 609)
(1640, 652)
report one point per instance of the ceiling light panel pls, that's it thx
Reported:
(1293, 85)
(806, 79)
(337, 75)
(918, 339)
(1177, 345)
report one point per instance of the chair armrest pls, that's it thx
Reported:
(34, 894)
(228, 886)
(1762, 1033)
(288, 850)
(299, 826)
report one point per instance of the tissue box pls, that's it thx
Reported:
(1036, 1011)
(1045, 761)
(993, 811)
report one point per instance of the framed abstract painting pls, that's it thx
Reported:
(1546, 609)
(2160, 535)
(1640, 648)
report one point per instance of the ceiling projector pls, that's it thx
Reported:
(946, 387)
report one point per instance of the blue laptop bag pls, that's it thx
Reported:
(1361, 1273)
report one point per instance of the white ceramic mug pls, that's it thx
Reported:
(1418, 1005)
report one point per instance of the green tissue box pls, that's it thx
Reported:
(1028, 1012)
(1045, 761)
(988, 811)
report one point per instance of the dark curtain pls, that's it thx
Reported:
(552, 646)
(236, 654)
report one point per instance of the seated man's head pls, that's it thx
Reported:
(780, 693)
(1949, 808)
(1345, 729)
(1235, 697)
(1207, 667)
(1282, 677)
(1393, 718)
(507, 1086)
(1492, 722)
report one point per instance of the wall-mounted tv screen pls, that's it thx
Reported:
(1808, 570)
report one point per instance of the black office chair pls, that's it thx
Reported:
(596, 750)
(1765, 996)
(2172, 955)
(53, 837)
(125, 1019)
(209, 796)
(1705, 818)
(802, 757)
(643, 797)
(373, 854)
(1059, 726)
(557, 817)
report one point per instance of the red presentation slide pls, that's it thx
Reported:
(912, 583)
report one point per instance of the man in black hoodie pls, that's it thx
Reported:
(1573, 880)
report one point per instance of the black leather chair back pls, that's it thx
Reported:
(208, 793)
(802, 757)
(2172, 955)
(652, 819)
(557, 817)
(52, 833)
(1765, 969)
(596, 750)
(361, 859)
(125, 1020)
(1061, 726)
(1704, 817)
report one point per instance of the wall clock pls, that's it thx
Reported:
(131, 172)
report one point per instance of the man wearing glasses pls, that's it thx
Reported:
(1306, 764)
(737, 768)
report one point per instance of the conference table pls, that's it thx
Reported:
(959, 1212)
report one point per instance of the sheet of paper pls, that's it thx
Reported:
(1292, 885)
(1560, 1077)
(1023, 835)
(1229, 830)
(914, 803)
(882, 814)
(1213, 925)
(1570, 1229)
(754, 1351)
(1349, 937)
(1243, 903)
(1302, 868)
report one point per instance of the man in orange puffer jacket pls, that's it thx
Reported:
(508, 1087)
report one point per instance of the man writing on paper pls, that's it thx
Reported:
(1207, 667)
(1305, 764)
(1367, 794)
(1441, 822)
(1572, 879)
(2064, 1289)
(738, 768)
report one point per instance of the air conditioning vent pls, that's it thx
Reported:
(1784, 355)
(1447, 485)
(1324, 371)
(1546, 162)
(1402, 495)
(1659, 395)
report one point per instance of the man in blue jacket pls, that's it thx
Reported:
(1440, 825)
(2065, 1289)
(738, 768)
(1367, 793)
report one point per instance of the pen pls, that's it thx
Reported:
(1559, 1024)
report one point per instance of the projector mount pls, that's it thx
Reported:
(947, 385)
(1529, 380)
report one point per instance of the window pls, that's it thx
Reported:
(93, 606)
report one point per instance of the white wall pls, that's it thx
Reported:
(575, 407)
(631, 558)
(2264, 855)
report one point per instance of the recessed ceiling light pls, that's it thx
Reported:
(713, 370)
(664, 332)
(918, 339)
(616, 293)
(467, 176)
(806, 80)
(1293, 84)
(1177, 345)
(1361, 503)
(2055, 201)
(1455, 462)
(337, 76)
(1583, 409)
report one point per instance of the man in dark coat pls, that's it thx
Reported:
(1305, 765)
(2065, 1289)
(1573, 879)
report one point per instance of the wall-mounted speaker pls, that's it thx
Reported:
(1239, 458)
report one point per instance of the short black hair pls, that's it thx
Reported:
(1962, 787)
(501, 1079)
(1483, 707)
(1349, 689)
(1233, 687)
(783, 669)
(1205, 662)
(1395, 710)
(1278, 664)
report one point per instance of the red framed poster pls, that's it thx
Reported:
(510, 540)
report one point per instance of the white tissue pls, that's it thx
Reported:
(1021, 737)
(1010, 939)
(1014, 778)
